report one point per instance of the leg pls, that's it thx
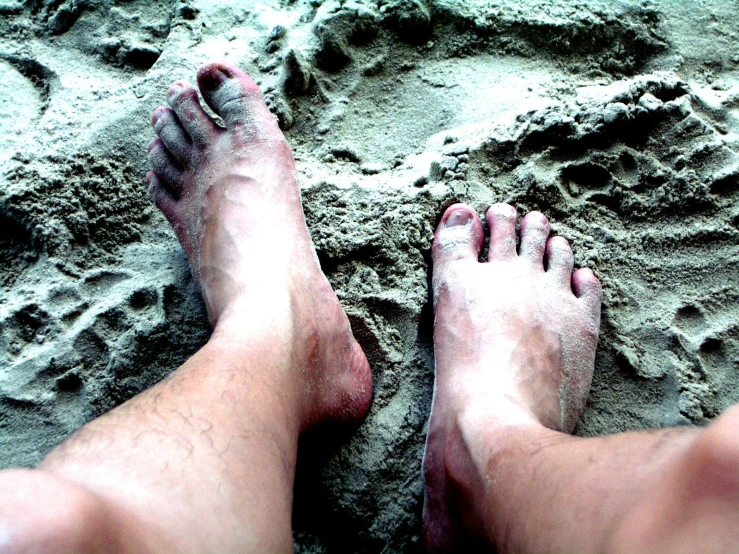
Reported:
(204, 461)
(515, 348)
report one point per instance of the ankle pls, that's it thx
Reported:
(315, 363)
(481, 435)
(483, 450)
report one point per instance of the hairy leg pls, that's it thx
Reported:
(204, 461)
(515, 344)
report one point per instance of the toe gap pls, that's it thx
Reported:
(485, 250)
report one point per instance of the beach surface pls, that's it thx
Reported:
(618, 120)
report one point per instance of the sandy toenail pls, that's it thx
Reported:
(156, 115)
(458, 219)
(503, 211)
(213, 79)
(173, 90)
(151, 144)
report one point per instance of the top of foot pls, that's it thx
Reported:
(222, 189)
(515, 341)
(522, 324)
(232, 198)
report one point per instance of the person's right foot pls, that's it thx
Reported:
(515, 347)
(232, 198)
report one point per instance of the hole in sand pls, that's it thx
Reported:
(71, 382)
(726, 185)
(689, 319)
(667, 94)
(584, 177)
(711, 346)
(143, 298)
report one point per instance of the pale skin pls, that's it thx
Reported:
(205, 460)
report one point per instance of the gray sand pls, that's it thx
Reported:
(619, 120)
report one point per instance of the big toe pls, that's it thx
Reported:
(234, 96)
(459, 236)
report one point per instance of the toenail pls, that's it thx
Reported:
(536, 220)
(503, 211)
(151, 144)
(175, 89)
(213, 79)
(155, 116)
(458, 218)
(538, 217)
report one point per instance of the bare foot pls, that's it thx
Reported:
(515, 347)
(232, 197)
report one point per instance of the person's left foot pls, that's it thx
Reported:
(514, 341)
(232, 197)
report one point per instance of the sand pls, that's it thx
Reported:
(619, 120)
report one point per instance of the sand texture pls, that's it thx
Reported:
(619, 120)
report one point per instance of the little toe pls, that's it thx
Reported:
(234, 96)
(560, 260)
(587, 288)
(459, 236)
(168, 128)
(168, 171)
(534, 233)
(501, 220)
(183, 99)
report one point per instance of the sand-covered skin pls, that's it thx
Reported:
(620, 121)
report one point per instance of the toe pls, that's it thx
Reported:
(534, 233)
(459, 236)
(560, 260)
(183, 99)
(163, 200)
(501, 220)
(168, 128)
(168, 171)
(587, 288)
(234, 96)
